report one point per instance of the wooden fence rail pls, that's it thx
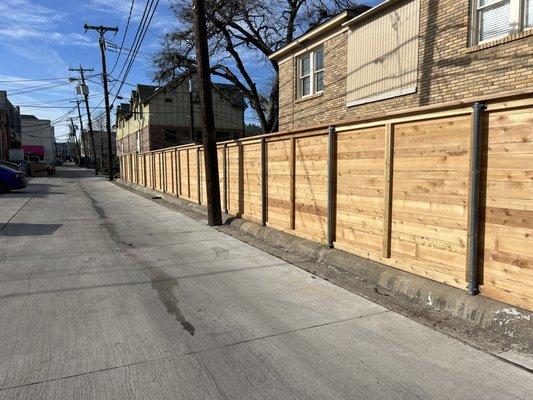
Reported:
(393, 190)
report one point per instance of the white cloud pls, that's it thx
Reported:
(22, 19)
(41, 54)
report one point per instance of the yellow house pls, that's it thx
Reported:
(160, 117)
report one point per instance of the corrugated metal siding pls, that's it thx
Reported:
(383, 54)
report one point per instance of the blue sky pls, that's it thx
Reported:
(41, 39)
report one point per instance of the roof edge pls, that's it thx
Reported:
(335, 22)
(374, 10)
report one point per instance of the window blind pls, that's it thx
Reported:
(494, 20)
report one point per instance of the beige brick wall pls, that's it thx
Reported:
(448, 70)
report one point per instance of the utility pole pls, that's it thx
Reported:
(77, 151)
(207, 120)
(85, 92)
(191, 110)
(81, 134)
(102, 30)
(101, 128)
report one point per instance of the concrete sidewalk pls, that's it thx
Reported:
(107, 295)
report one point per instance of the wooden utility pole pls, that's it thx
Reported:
(191, 111)
(207, 120)
(102, 30)
(85, 91)
(77, 150)
(101, 129)
(81, 135)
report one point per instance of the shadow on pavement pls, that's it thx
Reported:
(16, 229)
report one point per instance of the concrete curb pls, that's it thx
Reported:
(495, 317)
(482, 311)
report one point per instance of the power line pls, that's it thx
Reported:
(33, 80)
(37, 88)
(123, 37)
(141, 24)
(150, 9)
(41, 106)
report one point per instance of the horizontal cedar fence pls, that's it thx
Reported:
(394, 190)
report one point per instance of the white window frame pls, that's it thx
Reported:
(312, 73)
(517, 22)
(316, 71)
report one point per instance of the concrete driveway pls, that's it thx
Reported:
(108, 295)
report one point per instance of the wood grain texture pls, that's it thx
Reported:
(278, 183)
(427, 163)
(507, 215)
(360, 189)
(311, 172)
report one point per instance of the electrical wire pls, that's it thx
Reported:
(33, 80)
(123, 37)
(37, 88)
(150, 8)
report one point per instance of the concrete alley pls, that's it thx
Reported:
(105, 294)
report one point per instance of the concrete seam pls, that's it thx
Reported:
(190, 353)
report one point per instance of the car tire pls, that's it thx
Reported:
(3, 188)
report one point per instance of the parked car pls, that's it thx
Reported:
(11, 165)
(39, 167)
(51, 169)
(25, 166)
(11, 179)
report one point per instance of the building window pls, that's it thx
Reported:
(168, 100)
(494, 19)
(310, 73)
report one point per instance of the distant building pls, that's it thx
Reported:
(10, 125)
(100, 145)
(159, 117)
(38, 137)
(63, 150)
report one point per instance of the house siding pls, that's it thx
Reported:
(448, 69)
(158, 115)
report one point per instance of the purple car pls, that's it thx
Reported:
(11, 179)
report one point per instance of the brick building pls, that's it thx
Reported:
(157, 118)
(10, 127)
(403, 54)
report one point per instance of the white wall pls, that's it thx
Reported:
(39, 132)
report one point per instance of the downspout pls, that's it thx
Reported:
(473, 212)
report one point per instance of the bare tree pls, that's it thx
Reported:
(242, 34)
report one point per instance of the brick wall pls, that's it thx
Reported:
(4, 137)
(448, 70)
(158, 139)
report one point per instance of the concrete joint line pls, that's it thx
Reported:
(190, 353)
(24, 205)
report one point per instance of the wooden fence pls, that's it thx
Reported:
(394, 189)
